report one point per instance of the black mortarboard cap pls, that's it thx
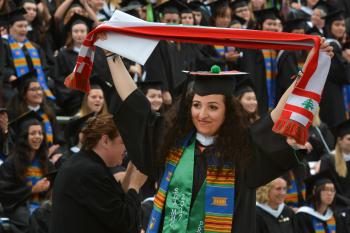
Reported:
(16, 15)
(31, 1)
(314, 31)
(128, 5)
(215, 81)
(171, 6)
(269, 13)
(76, 19)
(341, 129)
(76, 3)
(324, 6)
(292, 24)
(244, 85)
(196, 5)
(149, 84)
(324, 177)
(22, 121)
(238, 3)
(214, 6)
(74, 127)
(334, 16)
(185, 8)
(21, 81)
(238, 19)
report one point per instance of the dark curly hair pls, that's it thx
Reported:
(232, 143)
(22, 150)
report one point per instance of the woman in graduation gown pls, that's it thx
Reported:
(22, 181)
(77, 28)
(339, 73)
(207, 124)
(272, 215)
(320, 215)
(32, 97)
(339, 161)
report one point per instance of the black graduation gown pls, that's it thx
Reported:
(87, 198)
(70, 100)
(272, 155)
(9, 67)
(304, 223)
(318, 146)
(266, 223)
(40, 219)
(253, 63)
(287, 66)
(342, 183)
(332, 109)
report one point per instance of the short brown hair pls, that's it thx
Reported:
(97, 126)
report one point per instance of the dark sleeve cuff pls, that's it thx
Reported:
(264, 138)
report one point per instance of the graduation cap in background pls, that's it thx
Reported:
(238, 3)
(196, 5)
(31, 1)
(131, 5)
(144, 86)
(170, 7)
(16, 15)
(78, 19)
(341, 129)
(23, 121)
(236, 19)
(324, 177)
(293, 24)
(74, 127)
(269, 13)
(214, 6)
(314, 31)
(21, 81)
(244, 85)
(324, 6)
(215, 81)
(334, 16)
(185, 8)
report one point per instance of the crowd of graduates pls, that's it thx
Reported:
(41, 120)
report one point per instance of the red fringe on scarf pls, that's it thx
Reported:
(290, 128)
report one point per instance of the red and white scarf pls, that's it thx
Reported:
(301, 105)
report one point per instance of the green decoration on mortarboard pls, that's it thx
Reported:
(215, 69)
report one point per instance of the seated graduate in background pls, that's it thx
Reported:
(339, 161)
(31, 96)
(272, 215)
(320, 215)
(23, 184)
(247, 98)
(22, 56)
(153, 91)
(6, 144)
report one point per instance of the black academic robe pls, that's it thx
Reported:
(70, 100)
(332, 109)
(318, 144)
(272, 155)
(9, 67)
(287, 67)
(39, 221)
(304, 223)
(267, 223)
(87, 198)
(253, 62)
(14, 196)
(342, 183)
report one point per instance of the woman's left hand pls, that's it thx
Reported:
(293, 143)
